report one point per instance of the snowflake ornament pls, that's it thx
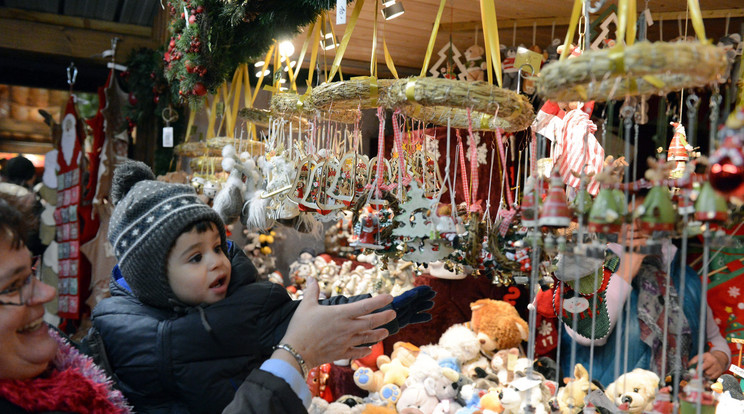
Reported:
(481, 149)
(734, 292)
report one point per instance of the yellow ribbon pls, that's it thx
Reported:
(345, 41)
(432, 38)
(373, 58)
(654, 81)
(314, 53)
(192, 113)
(388, 58)
(486, 47)
(301, 58)
(267, 59)
(333, 33)
(575, 13)
(617, 57)
(491, 33)
(697, 19)
(410, 90)
(485, 122)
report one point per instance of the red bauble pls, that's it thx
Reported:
(199, 9)
(156, 98)
(199, 89)
(132, 99)
(189, 66)
(727, 178)
(192, 19)
(172, 43)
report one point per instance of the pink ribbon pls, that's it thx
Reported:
(474, 180)
(380, 150)
(508, 216)
(463, 169)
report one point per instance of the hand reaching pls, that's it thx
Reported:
(323, 334)
(714, 364)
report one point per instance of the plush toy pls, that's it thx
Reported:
(510, 72)
(415, 400)
(475, 63)
(525, 392)
(497, 325)
(571, 397)
(503, 365)
(462, 343)
(636, 389)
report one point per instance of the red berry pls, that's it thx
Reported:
(156, 98)
(199, 89)
(199, 9)
(132, 99)
(172, 43)
(192, 19)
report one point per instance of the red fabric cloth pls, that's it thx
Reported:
(452, 305)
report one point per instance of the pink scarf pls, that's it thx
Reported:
(73, 383)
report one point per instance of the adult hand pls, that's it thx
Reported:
(714, 364)
(323, 334)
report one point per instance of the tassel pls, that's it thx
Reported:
(257, 216)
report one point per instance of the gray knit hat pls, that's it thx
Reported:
(148, 217)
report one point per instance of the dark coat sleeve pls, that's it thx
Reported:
(265, 393)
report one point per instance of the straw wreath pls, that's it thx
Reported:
(196, 149)
(290, 104)
(641, 69)
(249, 145)
(259, 117)
(351, 94)
(436, 100)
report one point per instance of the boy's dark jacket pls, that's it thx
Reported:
(193, 360)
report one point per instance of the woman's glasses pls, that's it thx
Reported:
(22, 291)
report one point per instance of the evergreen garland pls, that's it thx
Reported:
(149, 95)
(222, 34)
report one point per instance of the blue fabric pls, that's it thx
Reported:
(639, 354)
(286, 372)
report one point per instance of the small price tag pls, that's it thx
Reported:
(168, 137)
(340, 11)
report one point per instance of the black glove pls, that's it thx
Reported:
(410, 306)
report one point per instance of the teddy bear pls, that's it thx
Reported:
(635, 389)
(442, 383)
(475, 63)
(497, 325)
(571, 397)
(461, 343)
(510, 72)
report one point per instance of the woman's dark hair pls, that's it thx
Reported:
(14, 224)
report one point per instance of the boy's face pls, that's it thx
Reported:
(198, 270)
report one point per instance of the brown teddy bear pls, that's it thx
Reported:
(497, 325)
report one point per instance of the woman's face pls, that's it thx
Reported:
(26, 348)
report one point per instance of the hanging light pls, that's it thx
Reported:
(259, 63)
(266, 72)
(391, 9)
(286, 48)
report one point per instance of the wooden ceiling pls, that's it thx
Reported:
(81, 29)
(408, 35)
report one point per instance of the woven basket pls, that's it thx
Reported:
(436, 100)
(641, 69)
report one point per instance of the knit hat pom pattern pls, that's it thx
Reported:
(148, 217)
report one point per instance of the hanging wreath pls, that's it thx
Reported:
(641, 69)
(439, 100)
(210, 38)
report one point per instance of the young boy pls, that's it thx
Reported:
(187, 320)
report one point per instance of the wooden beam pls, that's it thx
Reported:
(76, 22)
(563, 21)
(66, 41)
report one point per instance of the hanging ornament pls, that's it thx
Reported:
(657, 212)
(679, 150)
(367, 231)
(710, 206)
(530, 198)
(727, 168)
(555, 211)
(605, 216)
